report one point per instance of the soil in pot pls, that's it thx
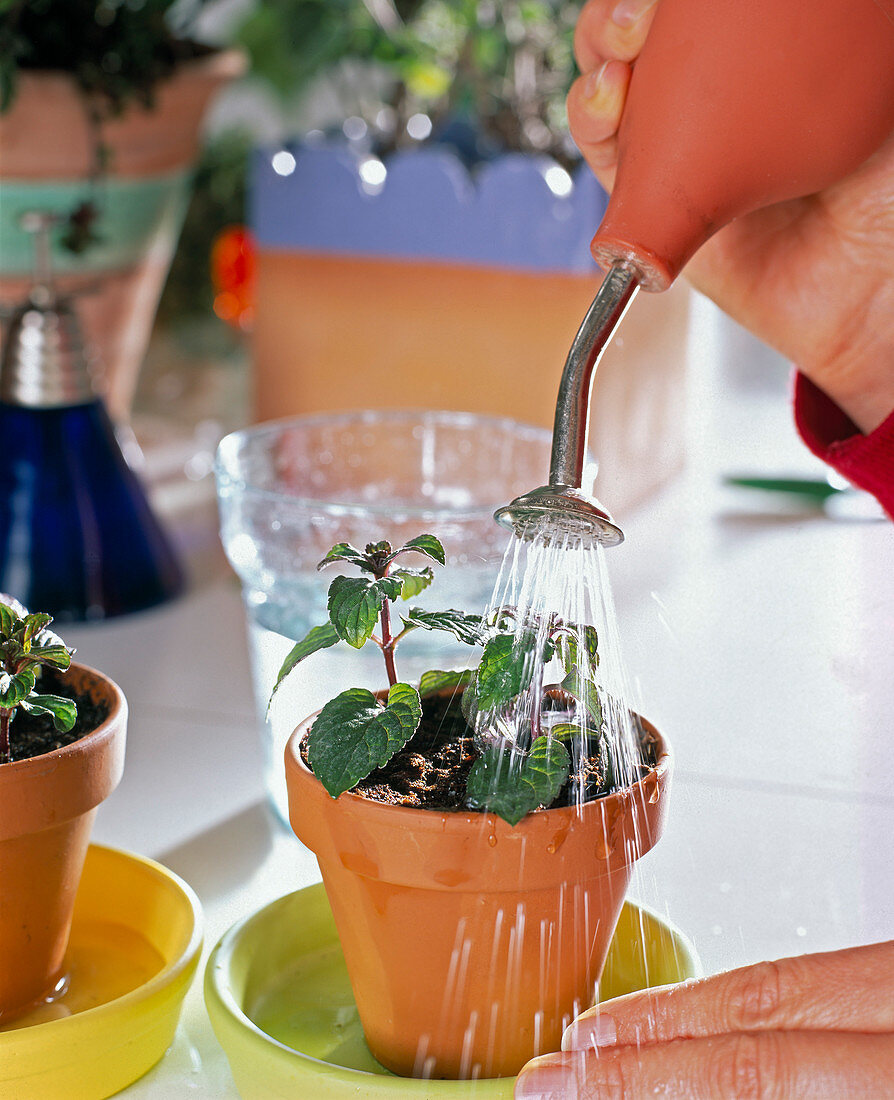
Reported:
(34, 734)
(431, 770)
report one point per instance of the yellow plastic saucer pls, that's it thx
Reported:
(280, 1002)
(134, 948)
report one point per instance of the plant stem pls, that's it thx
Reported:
(535, 719)
(536, 708)
(5, 754)
(388, 642)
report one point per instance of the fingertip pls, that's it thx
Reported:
(590, 1031)
(611, 29)
(550, 1077)
(570, 1038)
(596, 101)
(588, 34)
(626, 33)
(630, 13)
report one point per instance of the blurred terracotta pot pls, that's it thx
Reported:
(46, 162)
(471, 944)
(47, 807)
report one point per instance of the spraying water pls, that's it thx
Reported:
(556, 595)
(519, 950)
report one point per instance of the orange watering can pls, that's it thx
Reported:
(732, 105)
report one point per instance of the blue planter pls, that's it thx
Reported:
(519, 212)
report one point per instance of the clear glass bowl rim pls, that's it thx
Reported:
(228, 449)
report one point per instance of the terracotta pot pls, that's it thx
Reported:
(46, 162)
(471, 944)
(47, 807)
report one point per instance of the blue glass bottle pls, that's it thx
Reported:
(77, 536)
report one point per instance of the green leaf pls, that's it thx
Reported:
(8, 620)
(434, 681)
(354, 734)
(507, 668)
(59, 656)
(469, 629)
(511, 785)
(16, 688)
(319, 637)
(586, 693)
(64, 711)
(425, 544)
(344, 551)
(469, 701)
(413, 581)
(34, 624)
(568, 643)
(565, 731)
(390, 587)
(503, 619)
(354, 604)
(380, 550)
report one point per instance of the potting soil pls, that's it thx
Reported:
(34, 734)
(431, 770)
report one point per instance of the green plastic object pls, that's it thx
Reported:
(814, 489)
(280, 1002)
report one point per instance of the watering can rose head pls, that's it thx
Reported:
(357, 732)
(27, 646)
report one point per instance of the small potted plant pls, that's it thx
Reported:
(475, 866)
(62, 731)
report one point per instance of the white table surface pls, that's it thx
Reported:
(760, 641)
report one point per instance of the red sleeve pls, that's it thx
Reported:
(867, 461)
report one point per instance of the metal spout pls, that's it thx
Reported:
(561, 511)
(44, 363)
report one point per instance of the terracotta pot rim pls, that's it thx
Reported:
(102, 731)
(421, 819)
(91, 766)
(222, 62)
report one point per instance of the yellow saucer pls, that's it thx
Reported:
(280, 1002)
(135, 944)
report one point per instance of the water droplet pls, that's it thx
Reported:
(552, 847)
(800, 930)
(604, 848)
(492, 840)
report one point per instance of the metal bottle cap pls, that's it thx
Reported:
(44, 363)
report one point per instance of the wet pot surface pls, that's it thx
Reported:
(470, 943)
